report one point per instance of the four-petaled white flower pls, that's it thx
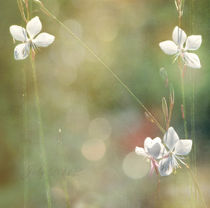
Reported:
(30, 38)
(176, 47)
(153, 150)
(177, 149)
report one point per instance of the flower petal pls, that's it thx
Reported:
(192, 60)
(165, 166)
(171, 138)
(168, 47)
(147, 143)
(153, 147)
(183, 147)
(140, 151)
(18, 33)
(179, 36)
(21, 51)
(156, 140)
(193, 42)
(43, 40)
(33, 27)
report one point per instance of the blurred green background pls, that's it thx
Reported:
(91, 124)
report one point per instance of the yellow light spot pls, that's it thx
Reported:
(134, 166)
(93, 149)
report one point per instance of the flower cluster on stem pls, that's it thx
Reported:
(165, 155)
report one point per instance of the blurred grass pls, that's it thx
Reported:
(75, 89)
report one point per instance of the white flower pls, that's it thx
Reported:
(177, 149)
(30, 38)
(153, 150)
(176, 47)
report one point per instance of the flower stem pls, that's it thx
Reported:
(183, 101)
(67, 198)
(193, 158)
(41, 136)
(46, 11)
(180, 13)
(193, 121)
(197, 187)
(25, 136)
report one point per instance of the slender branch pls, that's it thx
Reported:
(197, 187)
(183, 100)
(41, 136)
(193, 177)
(25, 136)
(193, 120)
(180, 13)
(21, 9)
(46, 11)
(193, 97)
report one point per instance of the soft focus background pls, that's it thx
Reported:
(91, 123)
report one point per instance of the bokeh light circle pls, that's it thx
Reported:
(135, 166)
(93, 149)
(99, 128)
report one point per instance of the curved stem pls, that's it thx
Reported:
(41, 136)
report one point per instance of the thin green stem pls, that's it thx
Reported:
(41, 136)
(25, 178)
(193, 110)
(46, 11)
(193, 96)
(197, 187)
(25, 144)
(180, 12)
(193, 177)
(193, 158)
(67, 198)
(183, 102)
(62, 159)
(193, 121)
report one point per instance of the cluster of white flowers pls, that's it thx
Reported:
(29, 38)
(176, 47)
(165, 156)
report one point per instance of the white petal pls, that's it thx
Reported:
(33, 27)
(147, 142)
(165, 166)
(153, 147)
(18, 33)
(193, 42)
(192, 60)
(171, 138)
(21, 51)
(43, 40)
(183, 147)
(179, 36)
(163, 152)
(140, 151)
(168, 47)
(157, 140)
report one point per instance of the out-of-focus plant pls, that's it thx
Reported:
(29, 46)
